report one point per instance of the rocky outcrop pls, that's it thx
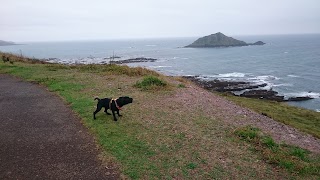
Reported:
(237, 88)
(303, 98)
(219, 40)
(259, 43)
(224, 86)
(133, 60)
(263, 94)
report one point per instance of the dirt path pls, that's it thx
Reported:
(40, 138)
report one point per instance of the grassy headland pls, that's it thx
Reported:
(160, 138)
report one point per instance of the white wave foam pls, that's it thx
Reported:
(267, 87)
(267, 78)
(291, 75)
(151, 45)
(284, 84)
(264, 79)
(317, 110)
(303, 94)
(229, 75)
(160, 67)
(184, 58)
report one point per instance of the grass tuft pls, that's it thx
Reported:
(181, 86)
(192, 165)
(151, 83)
(247, 133)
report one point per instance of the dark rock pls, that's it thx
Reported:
(259, 43)
(133, 60)
(304, 98)
(263, 94)
(259, 93)
(224, 86)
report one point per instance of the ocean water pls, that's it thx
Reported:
(289, 64)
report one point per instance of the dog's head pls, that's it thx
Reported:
(124, 100)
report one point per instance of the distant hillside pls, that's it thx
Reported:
(219, 40)
(6, 43)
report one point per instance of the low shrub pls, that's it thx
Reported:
(151, 82)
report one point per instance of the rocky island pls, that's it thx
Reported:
(219, 40)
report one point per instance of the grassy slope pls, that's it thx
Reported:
(150, 141)
(303, 119)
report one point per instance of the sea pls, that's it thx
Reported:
(289, 64)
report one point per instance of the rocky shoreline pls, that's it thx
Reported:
(243, 89)
(133, 60)
(106, 60)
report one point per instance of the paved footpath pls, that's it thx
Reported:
(41, 138)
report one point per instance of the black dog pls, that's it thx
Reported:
(112, 104)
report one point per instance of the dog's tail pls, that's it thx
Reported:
(97, 98)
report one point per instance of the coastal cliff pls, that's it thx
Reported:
(220, 40)
(6, 43)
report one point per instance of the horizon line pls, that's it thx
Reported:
(141, 38)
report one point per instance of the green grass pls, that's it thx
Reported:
(294, 159)
(158, 138)
(181, 86)
(303, 119)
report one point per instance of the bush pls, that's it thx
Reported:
(150, 82)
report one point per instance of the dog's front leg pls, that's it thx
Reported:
(114, 116)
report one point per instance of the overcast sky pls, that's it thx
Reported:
(56, 20)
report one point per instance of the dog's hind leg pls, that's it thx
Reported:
(97, 110)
